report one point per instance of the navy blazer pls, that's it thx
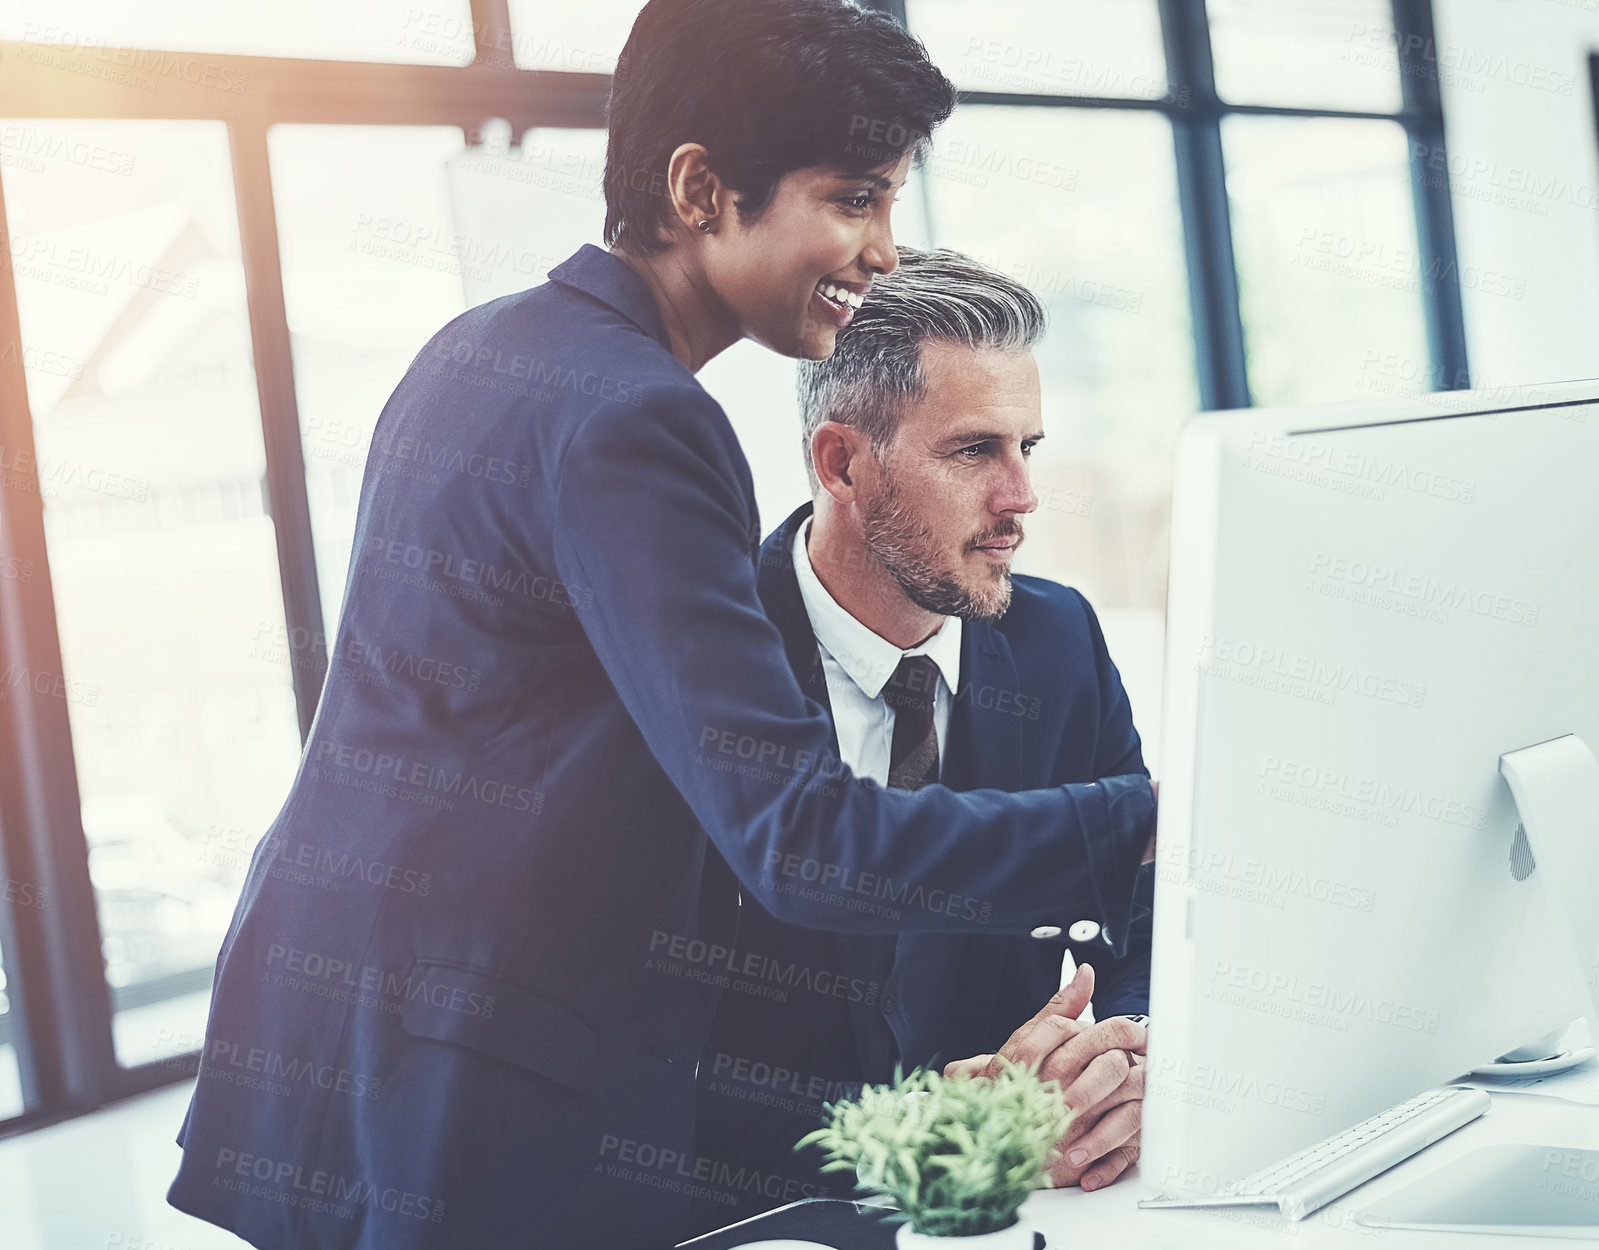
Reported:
(477, 953)
(1040, 704)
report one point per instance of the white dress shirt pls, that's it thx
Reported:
(858, 663)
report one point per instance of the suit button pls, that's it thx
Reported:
(1083, 931)
(1047, 931)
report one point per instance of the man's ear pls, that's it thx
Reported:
(836, 450)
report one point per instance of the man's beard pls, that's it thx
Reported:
(909, 551)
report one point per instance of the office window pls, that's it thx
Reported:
(1329, 270)
(1081, 48)
(422, 32)
(556, 35)
(162, 558)
(372, 267)
(1324, 54)
(178, 644)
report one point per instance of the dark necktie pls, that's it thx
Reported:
(912, 692)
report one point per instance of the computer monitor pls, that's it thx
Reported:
(1370, 605)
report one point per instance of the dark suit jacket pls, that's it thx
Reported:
(1040, 704)
(474, 961)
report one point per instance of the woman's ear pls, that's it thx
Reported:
(694, 188)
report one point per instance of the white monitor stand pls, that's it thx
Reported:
(1539, 1191)
(1556, 788)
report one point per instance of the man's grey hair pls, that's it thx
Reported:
(875, 371)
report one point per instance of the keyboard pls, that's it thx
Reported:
(1309, 1180)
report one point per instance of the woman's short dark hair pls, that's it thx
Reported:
(768, 86)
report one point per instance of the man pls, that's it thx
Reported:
(894, 594)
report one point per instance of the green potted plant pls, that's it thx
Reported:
(956, 1155)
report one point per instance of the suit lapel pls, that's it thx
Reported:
(785, 607)
(985, 737)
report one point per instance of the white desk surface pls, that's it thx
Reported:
(1110, 1219)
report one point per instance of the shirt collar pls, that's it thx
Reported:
(611, 280)
(868, 658)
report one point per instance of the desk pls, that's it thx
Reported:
(1111, 1220)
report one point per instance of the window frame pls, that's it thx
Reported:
(61, 1008)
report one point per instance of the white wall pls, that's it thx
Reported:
(1519, 124)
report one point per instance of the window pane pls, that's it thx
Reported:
(1306, 53)
(372, 267)
(521, 211)
(1328, 268)
(1082, 206)
(555, 34)
(1079, 47)
(437, 32)
(162, 558)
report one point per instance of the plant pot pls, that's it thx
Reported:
(1018, 1236)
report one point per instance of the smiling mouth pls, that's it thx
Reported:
(840, 297)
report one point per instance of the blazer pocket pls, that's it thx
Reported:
(482, 1011)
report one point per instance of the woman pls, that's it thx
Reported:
(469, 978)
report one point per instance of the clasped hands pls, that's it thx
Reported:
(1100, 1068)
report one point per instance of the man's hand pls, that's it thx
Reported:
(1099, 1078)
